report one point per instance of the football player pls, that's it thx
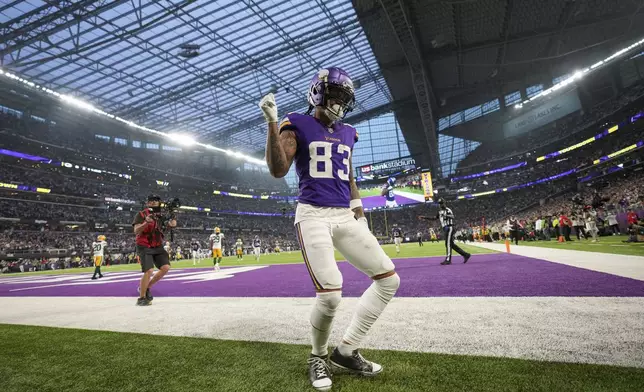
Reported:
(216, 240)
(277, 247)
(388, 193)
(257, 247)
(432, 235)
(239, 245)
(329, 215)
(397, 233)
(98, 247)
(195, 251)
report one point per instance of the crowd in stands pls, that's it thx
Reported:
(580, 158)
(568, 213)
(493, 154)
(32, 221)
(80, 146)
(545, 202)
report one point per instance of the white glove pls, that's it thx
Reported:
(363, 220)
(269, 107)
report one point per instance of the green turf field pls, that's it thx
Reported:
(407, 250)
(377, 191)
(53, 359)
(610, 244)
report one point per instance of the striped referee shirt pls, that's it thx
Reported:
(446, 217)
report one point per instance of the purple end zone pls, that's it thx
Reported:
(379, 201)
(485, 275)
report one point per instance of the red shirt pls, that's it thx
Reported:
(631, 217)
(151, 237)
(563, 220)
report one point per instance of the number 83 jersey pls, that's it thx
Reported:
(322, 159)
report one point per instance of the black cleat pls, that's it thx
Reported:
(148, 296)
(143, 302)
(466, 258)
(319, 373)
(355, 364)
(446, 262)
(94, 278)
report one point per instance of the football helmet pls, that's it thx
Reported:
(217, 230)
(391, 181)
(101, 237)
(332, 89)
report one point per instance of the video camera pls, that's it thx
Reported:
(165, 212)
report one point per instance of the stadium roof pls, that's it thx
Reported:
(199, 67)
(447, 56)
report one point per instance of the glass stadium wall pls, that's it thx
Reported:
(452, 150)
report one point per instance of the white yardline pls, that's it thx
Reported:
(570, 329)
(621, 265)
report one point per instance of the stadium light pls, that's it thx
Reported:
(579, 74)
(185, 140)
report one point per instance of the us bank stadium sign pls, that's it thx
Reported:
(387, 167)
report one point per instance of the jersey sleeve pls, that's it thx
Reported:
(138, 219)
(287, 125)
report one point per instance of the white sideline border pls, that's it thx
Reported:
(598, 330)
(627, 266)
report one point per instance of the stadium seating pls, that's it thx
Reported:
(57, 207)
(492, 155)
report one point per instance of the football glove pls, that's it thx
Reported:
(269, 107)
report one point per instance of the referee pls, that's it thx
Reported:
(446, 218)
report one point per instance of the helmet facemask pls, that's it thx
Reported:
(338, 101)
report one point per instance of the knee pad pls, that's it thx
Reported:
(327, 303)
(388, 286)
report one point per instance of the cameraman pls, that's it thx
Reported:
(149, 246)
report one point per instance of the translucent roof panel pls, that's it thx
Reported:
(124, 56)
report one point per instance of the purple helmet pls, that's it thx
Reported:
(332, 84)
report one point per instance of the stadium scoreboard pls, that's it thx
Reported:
(382, 169)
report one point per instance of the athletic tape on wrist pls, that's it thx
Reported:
(355, 203)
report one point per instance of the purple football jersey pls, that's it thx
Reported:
(322, 159)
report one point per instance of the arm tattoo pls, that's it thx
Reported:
(280, 150)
